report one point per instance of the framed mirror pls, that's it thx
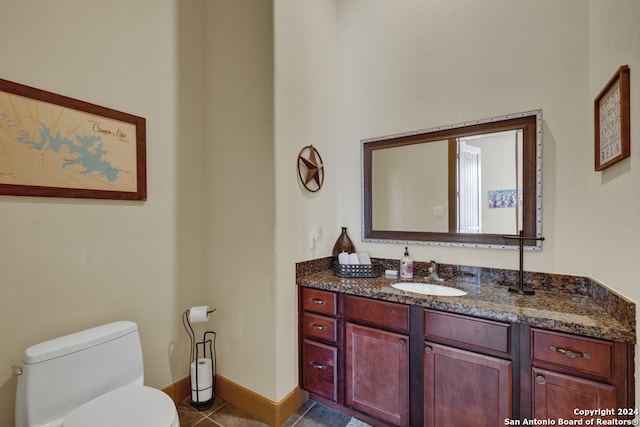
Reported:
(468, 184)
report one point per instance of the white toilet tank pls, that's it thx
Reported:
(64, 373)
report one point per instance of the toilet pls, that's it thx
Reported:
(90, 378)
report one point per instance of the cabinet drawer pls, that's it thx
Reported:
(480, 333)
(319, 369)
(320, 327)
(318, 301)
(380, 313)
(588, 355)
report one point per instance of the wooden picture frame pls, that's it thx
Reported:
(55, 146)
(612, 118)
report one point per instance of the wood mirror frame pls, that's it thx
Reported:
(531, 125)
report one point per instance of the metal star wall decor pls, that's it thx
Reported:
(310, 168)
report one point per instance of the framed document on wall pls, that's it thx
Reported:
(611, 118)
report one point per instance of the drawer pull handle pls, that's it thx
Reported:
(318, 301)
(401, 342)
(318, 327)
(540, 379)
(317, 366)
(428, 349)
(570, 354)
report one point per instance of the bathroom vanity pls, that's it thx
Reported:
(486, 358)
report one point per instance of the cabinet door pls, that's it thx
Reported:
(557, 395)
(462, 388)
(377, 373)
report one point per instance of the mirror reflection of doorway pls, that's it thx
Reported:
(469, 191)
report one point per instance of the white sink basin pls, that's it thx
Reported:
(429, 289)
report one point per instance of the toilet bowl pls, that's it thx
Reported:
(90, 378)
(129, 401)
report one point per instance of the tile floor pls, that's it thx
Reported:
(223, 414)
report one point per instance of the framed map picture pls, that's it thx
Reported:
(612, 121)
(55, 146)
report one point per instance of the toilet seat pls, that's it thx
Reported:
(133, 405)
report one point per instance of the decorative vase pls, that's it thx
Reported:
(343, 244)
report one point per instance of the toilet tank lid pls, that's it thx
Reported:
(77, 341)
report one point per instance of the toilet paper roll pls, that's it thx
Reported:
(353, 259)
(203, 369)
(199, 314)
(202, 384)
(200, 396)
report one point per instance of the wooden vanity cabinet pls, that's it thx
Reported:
(395, 364)
(377, 359)
(320, 344)
(468, 376)
(572, 372)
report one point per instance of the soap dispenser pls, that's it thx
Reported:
(406, 265)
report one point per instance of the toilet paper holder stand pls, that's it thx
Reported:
(198, 350)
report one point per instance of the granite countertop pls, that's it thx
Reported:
(559, 310)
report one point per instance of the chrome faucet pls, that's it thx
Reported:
(433, 272)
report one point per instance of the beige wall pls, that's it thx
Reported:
(614, 218)
(500, 172)
(410, 181)
(239, 189)
(308, 110)
(414, 64)
(232, 90)
(70, 264)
